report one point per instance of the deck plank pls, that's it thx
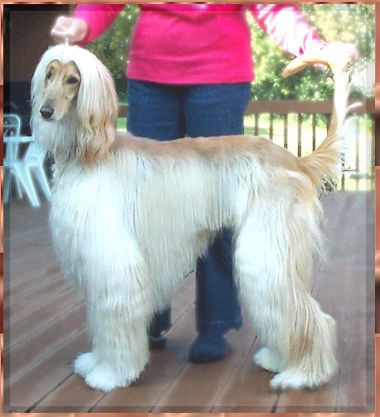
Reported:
(248, 386)
(45, 329)
(161, 369)
(331, 300)
(359, 319)
(199, 387)
(34, 321)
(346, 250)
(161, 372)
(45, 376)
(41, 344)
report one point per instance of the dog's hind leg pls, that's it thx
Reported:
(272, 261)
(118, 312)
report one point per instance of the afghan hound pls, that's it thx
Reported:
(130, 216)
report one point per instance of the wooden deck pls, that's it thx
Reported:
(45, 329)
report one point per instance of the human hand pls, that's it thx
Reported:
(70, 28)
(339, 55)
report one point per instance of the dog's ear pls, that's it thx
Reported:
(97, 111)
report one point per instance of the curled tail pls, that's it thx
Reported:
(324, 163)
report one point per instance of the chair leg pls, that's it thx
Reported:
(43, 181)
(7, 184)
(23, 175)
(18, 187)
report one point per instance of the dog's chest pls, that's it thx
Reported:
(81, 202)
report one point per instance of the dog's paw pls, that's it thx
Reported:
(84, 364)
(294, 379)
(104, 378)
(268, 360)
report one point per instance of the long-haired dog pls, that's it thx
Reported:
(130, 216)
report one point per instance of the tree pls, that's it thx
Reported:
(113, 46)
(331, 22)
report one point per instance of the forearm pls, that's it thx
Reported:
(287, 26)
(98, 17)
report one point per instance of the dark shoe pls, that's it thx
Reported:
(158, 329)
(209, 348)
(158, 342)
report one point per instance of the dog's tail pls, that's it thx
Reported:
(324, 163)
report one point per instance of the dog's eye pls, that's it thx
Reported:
(72, 80)
(48, 75)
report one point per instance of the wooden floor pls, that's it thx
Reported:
(45, 329)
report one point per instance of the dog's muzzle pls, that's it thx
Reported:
(46, 111)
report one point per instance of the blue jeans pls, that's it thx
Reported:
(167, 112)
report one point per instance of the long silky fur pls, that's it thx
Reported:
(130, 216)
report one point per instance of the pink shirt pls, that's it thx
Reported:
(200, 43)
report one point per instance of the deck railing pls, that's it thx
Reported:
(300, 126)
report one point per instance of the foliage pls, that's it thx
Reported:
(330, 20)
(113, 46)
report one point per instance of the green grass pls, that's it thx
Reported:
(121, 124)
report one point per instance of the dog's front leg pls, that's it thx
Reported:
(117, 307)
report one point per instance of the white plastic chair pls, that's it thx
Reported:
(33, 162)
(12, 127)
(22, 168)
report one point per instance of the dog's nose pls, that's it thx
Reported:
(46, 111)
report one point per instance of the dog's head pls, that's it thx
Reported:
(60, 92)
(74, 102)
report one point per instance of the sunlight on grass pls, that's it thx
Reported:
(121, 124)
